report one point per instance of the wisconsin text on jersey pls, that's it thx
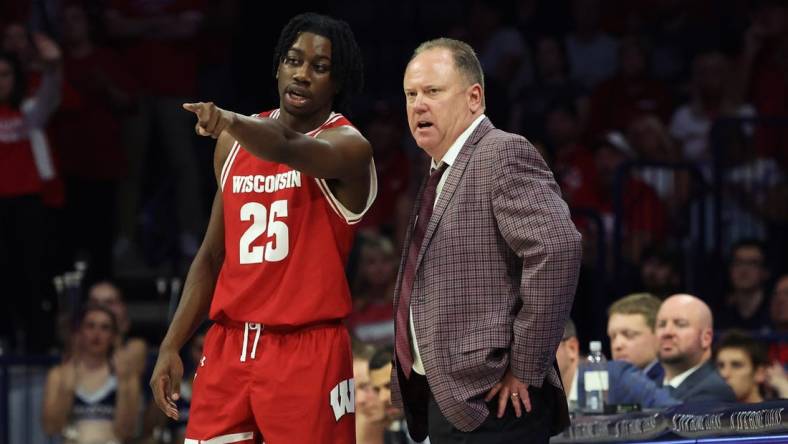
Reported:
(266, 184)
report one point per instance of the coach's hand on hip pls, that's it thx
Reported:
(510, 389)
(211, 120)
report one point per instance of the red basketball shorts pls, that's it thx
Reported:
(259, 385)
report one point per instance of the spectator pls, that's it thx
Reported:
(134, 350)
(592, 53)
(661, 270)
(551, 84)
(158, 40)
(630, 94)
(778, 311)
(711, 98)
(630, 327)
(16, 40)
(685, 331)
(568, 357)
(380, 366)
(371, 419)
(25, 168)
(677, 30)
(93, 163)
(385, 132)
(573, 163)
(753, 186)
(92, 397)
(627, 384)
(505, 59)
(742, 362)
(652, 143)
(643, 214)
(762, 73)
(777, 380)
(372, 319)
(778, 314)
(746, 305)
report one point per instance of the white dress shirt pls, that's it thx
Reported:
(676, 381)
(448, 159)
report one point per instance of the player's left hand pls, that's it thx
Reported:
(211, 120)
(510, 389)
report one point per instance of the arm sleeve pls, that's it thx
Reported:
(534, 222)
(46, 100)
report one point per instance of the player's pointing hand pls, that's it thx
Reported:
(211, 120)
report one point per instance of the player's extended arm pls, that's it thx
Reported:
(338, 153)
(195, 300)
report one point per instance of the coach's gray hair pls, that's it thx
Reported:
(464, 56)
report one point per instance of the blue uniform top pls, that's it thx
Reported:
(97, 405)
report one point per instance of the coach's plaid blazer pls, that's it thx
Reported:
(495, 277)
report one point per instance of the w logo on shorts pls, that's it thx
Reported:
(343, 398)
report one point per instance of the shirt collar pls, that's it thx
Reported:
(454, 149)
(573, 388)
(651, 365)
(678, 379)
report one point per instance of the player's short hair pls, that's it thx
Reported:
(381, 358)
(645, 304)
(347, 68)
(742, 340)
(465, 60)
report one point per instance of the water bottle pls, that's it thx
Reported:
(595, 379)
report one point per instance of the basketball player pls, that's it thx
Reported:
(293, 181)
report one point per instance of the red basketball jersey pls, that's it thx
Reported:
(287, 239)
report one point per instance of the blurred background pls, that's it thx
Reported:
(664, 122)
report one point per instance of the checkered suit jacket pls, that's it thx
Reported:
(495, 277)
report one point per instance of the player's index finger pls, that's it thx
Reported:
(196, 108)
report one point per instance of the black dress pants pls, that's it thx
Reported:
(533, 427)
(425, 418)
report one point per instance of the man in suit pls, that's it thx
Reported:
(630, 327)
(685, 331)
(488, 271)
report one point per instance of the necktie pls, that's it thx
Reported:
(402, 342)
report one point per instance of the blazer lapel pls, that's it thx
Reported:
(456, 171)
(693, 381)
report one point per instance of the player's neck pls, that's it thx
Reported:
(303, 124)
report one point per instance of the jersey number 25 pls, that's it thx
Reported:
(278, 244)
